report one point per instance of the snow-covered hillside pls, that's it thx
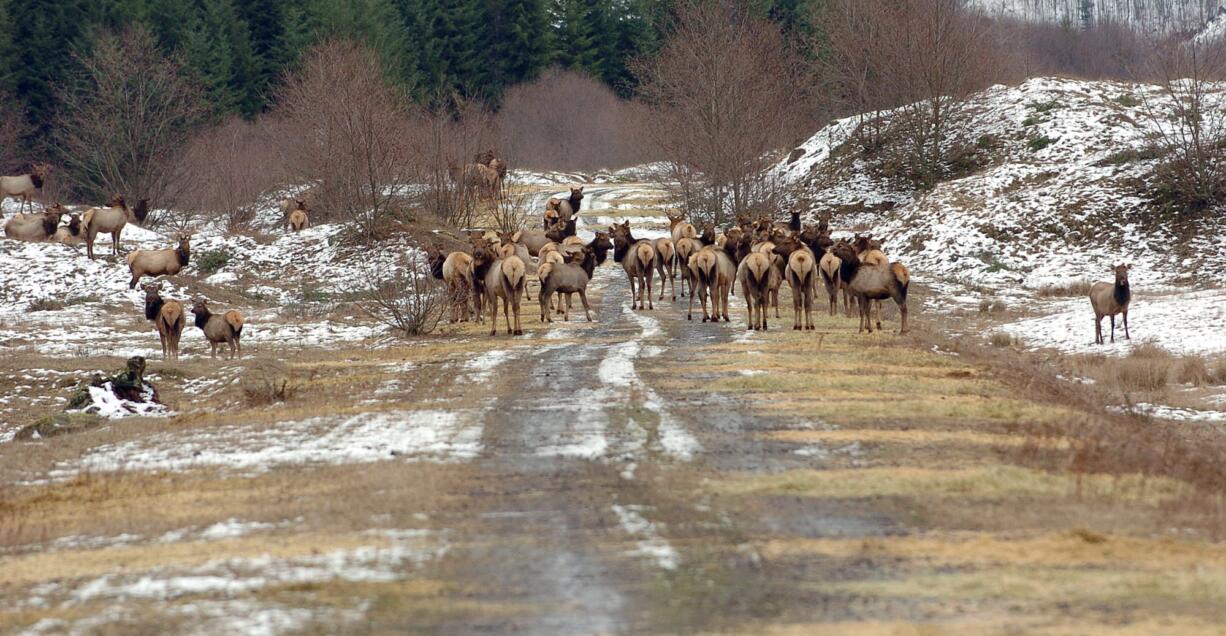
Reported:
(1059, 201)
(1150, 16)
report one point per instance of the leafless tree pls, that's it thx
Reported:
(920, 58)
(13, 129)
(403, 296)
(228, 169)
(725, 92)
(125, 117)
(566, 120)
(1188, 120)
(511, 210)
(446, 140)
(349, 133)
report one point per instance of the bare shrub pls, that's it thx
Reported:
(124, 119)
(566, 120)
(1063, 290)
(512, 210)
(1188, 122)
(403, 296)
(268, 383)
(724, 93)
(1000, 339)
(1108, 49)
(921, 58)
(348, 131)
(447, 139)
(226, 171)
(1191, 370)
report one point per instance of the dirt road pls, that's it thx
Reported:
(637, 474)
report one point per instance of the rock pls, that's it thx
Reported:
(58, 424)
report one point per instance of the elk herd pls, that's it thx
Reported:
(758, 256)
(167, 315)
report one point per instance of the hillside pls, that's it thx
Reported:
(1062, 195)
(1150, 16)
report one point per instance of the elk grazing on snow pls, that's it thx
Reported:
(168, 319)
(502, 278)
(219, 328)
(167, 262)
(1110, 299)
(24, 186)
(873, 282)
(638, 260)
(111, 220)
(35, 227)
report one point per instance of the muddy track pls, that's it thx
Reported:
(583, 520)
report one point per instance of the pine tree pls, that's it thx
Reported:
(376, 23)
(576, 46)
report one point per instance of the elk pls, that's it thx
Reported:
(457, 272)
(534, 240)
(298, 218)
(666, 253)
(569, 278)
(166, 262)
(168, 319)
(638, 260)
(35, 227)
(24, 186)
(550, 216)
(828, 266)
(1109, 299)
(686, 248)
(111, 220)
(754, 274)
(503, 278)
(70, 234)
(219, 328)
(680, 229)
(792, 226)
(569, 207)
(873, 282)
(560, 231)
(713, 273)
(801, 274)
(869, 252)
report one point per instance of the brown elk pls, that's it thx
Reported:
(503, 278)
(168, 319)
(1109, 299)
(569, 207)
(166, 262)
(713, 273)
(754, 274)
(111, 220)
(868, 250)
(638, 260)
(801, 274)
(686, 248)
(70, 234)
(569, 278)
(828, 266)
(666, 253)
(792, 226)
(219, 328)
(534, 240)
(298, 219)
(24, 186)
(873, 282)
(35, 227)
(456, 270)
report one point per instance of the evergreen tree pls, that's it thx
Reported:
(376, 23)
(576, 45)
(523, 43)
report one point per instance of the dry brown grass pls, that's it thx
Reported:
(1065, 290)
